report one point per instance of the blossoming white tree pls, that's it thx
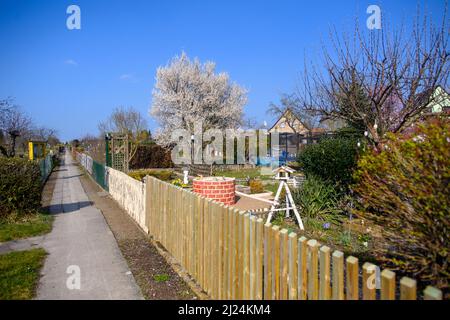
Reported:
(190, 92)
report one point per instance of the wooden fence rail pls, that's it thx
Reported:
(234, 255)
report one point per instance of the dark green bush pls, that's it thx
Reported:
(331, 159)
(151, 156)
(20, 186)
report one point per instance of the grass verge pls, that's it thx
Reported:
(29, 226)
(19, 274)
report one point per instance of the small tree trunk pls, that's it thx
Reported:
(12, 152)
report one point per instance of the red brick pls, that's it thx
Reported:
(219, 191)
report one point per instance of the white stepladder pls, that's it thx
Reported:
(283, 174)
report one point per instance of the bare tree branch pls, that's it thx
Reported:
(382, 80)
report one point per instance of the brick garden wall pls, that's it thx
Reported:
(219, 189)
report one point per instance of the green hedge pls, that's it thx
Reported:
(20, 186)
(331, 159)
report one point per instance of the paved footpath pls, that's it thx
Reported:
(81, 241)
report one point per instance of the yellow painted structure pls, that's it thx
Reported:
(36, 150)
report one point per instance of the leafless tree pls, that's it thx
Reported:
(94, 146)
(5, 108)
(48, 135)
(127, 121)
(6, 105)
(381, 79)
(13, 123)
(251, 123)
(124, 120)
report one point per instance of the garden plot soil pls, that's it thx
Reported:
(152, 273)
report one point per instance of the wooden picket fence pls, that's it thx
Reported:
(234, 255)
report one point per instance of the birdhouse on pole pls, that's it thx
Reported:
(283, 173)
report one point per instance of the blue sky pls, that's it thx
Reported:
(71, 79)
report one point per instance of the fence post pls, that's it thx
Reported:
(247, 256)
(200, 248)
(212, 258)
(253, 254)
(302, 268)
(240, 255)
(352, 278)
(259, 258)
(338, 275)
(268, 261)
(369, 281)
(197, 232)
(408, 289)
(184, 227)
(219, 221)
(154, 208)
(208, 271)
(215, 250)
(229, 252)
(193, 235)
(157, 210)
(293, 267)
(236, 276)
(148, 204)
(225, 269)
(325, 289)
(276, 263)
(284, 264)
(431, 293)
(313, 280)
(387, 285)
(204, 209)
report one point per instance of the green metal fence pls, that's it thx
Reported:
(46, 166)
(95, 169)
(98, 173)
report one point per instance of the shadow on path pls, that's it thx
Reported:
(67, 207)
(70, 177)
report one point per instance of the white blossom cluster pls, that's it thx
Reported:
(188, 92)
